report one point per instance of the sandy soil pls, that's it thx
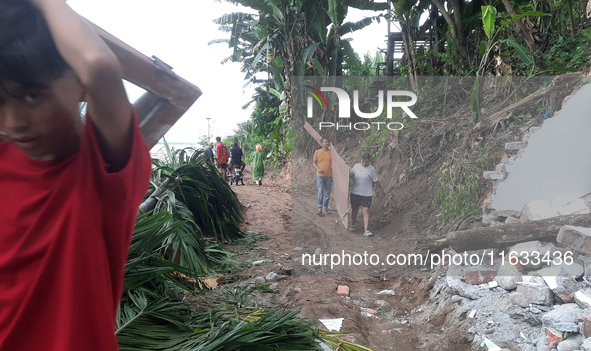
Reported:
(406, 321)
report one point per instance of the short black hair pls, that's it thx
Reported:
(322, 140)
(235, 144)
(365, 156)
(218, 138)
(28, 54)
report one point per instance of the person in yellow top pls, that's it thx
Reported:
(323, 165)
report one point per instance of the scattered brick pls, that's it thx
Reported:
(552, 336)
(516, 265)
(479, 275)
(349, 338)
(577, 238)
(343, 290)
(586, 327)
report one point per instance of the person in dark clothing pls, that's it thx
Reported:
(209, 154)
(236, 155)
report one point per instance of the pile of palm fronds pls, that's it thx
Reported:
(197, 187)
(149, 318)
(152, 317)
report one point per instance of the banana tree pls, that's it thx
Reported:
(325, 55)
(408, 14)
(297, 37)
(453, 16)
(489, 16)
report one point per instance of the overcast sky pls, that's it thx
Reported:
(177, 32)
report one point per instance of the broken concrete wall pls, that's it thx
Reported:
(556, 165)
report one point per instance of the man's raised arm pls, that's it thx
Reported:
(99, 72)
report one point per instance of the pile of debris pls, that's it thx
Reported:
(536, 298)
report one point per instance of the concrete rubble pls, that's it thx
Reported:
(532, 296)
(533, 210)
(536, 309)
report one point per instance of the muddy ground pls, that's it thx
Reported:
(409, 320)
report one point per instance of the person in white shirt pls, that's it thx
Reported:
(364, 175)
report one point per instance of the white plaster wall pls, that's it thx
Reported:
(556, 165)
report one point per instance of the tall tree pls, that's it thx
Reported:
(453, 17)
(408, 14)
(298, 36)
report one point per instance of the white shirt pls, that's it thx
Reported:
(364, 179)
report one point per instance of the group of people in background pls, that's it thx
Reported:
(234, 158)
(364, 176)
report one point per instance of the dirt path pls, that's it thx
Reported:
(398, 326)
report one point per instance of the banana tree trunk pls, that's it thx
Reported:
(454, 28)
(409, 51)
(571, 17)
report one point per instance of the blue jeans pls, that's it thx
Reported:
(323, 185)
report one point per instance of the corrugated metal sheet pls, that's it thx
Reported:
(340, 178)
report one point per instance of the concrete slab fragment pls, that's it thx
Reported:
(577, 206)
(583, 299)
(536, 293)
(493, 175)
(536, 210)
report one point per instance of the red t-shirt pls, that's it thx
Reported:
(222, 153)
(65, 230)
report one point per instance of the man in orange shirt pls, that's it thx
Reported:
(323, 164)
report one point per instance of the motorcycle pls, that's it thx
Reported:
(235, 175)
